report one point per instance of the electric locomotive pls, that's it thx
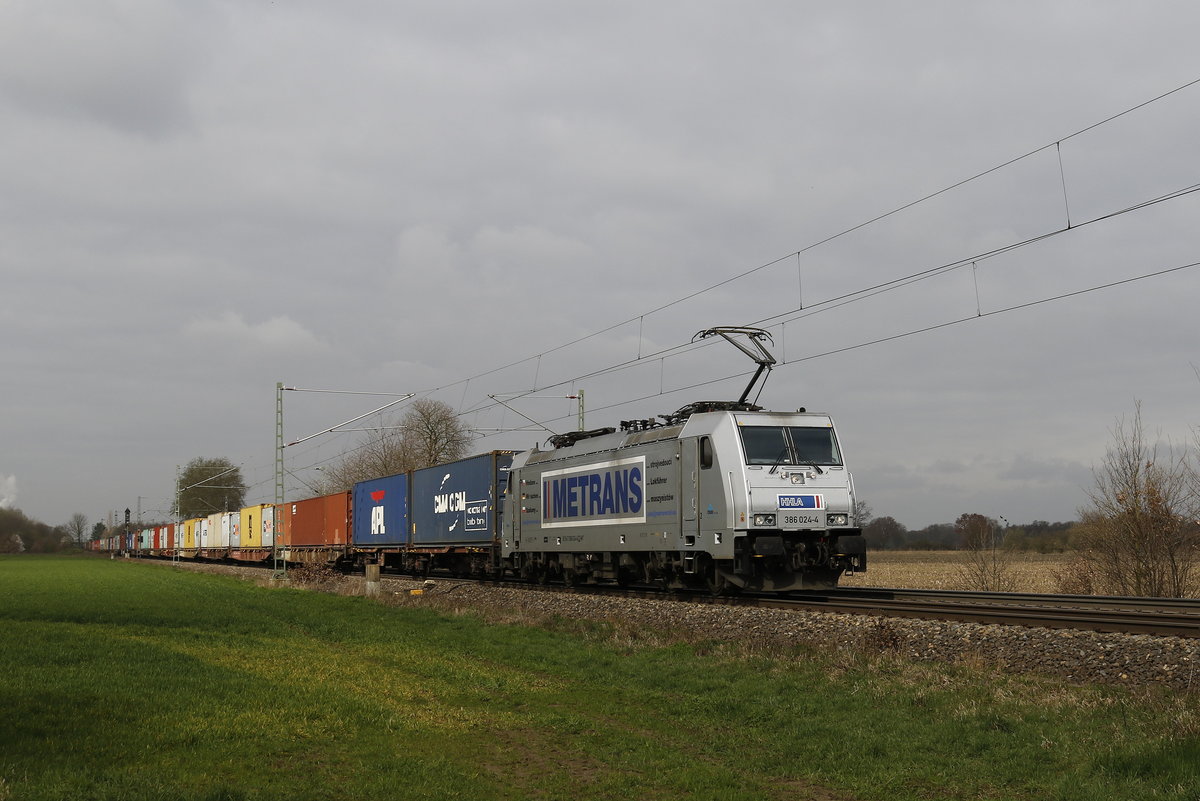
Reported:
(720, 494)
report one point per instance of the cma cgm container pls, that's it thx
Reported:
(317, 529)
(381, 514)
(457, 503)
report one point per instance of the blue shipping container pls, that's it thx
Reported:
(381, 513)
(458, 503)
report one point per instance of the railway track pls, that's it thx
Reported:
(1164, 617)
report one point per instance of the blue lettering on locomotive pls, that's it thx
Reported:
(603, 493)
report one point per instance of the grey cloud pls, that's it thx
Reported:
(126, 65)
(400, 196)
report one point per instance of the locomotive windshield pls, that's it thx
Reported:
(777, 445)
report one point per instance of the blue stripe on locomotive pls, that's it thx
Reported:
(381, 512)
(459, 503)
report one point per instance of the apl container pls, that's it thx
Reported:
(381, 512)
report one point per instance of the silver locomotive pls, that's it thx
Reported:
(720, 495)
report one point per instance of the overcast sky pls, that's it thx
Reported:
(199, 199)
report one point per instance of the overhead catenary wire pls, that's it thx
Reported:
(804, 309)
(640, 318)
(1057, 143)
(905, 334)
(839, 301)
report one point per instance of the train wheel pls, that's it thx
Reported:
(715, 581)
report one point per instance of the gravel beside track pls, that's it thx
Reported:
(1081, 656)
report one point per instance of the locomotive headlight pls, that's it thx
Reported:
(764, 520)
(835, 520)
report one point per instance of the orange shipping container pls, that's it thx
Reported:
(317, 522)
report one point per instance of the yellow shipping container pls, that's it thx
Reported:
(257, 526)
(191, 534)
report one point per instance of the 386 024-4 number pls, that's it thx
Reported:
(799, 520)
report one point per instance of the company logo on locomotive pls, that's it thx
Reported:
(596, 494)
(801, 501)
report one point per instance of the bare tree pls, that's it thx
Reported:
(379, 453)
(988, 566)
(77, 528)
(432, 433)
(863, 513)
(1140, 534)
(429, 433)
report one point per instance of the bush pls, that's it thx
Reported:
(1140, 535)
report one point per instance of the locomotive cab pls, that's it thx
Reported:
(778, 484)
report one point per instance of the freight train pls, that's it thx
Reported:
(720, 495)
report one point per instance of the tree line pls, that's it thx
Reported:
(1138, 534)
(1040, 536)
(20, 534)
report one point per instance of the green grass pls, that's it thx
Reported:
(126, 681)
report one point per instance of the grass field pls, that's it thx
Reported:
(943, 570)
(126, 681)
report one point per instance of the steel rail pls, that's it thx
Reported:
(1126, 615)
(1124, 603)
